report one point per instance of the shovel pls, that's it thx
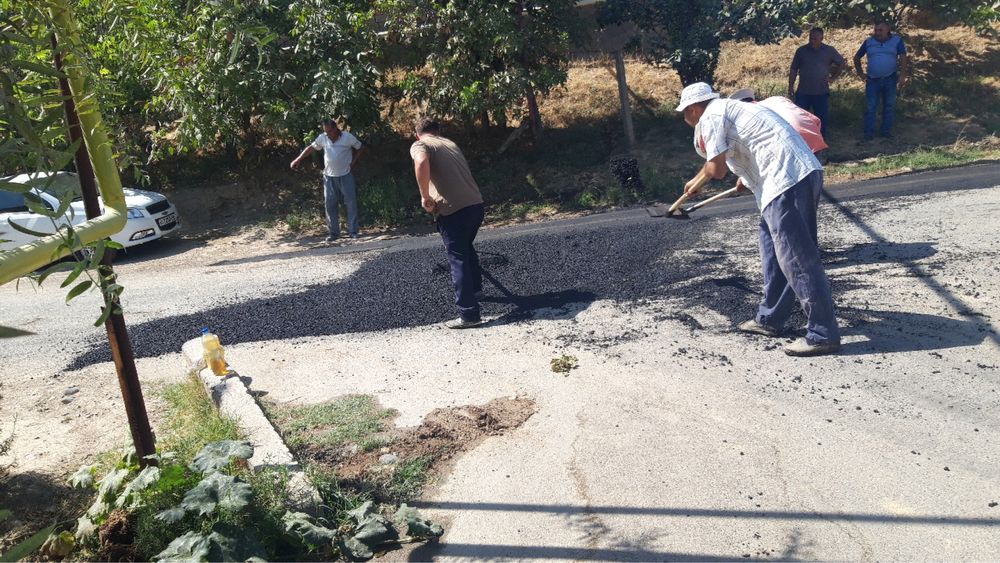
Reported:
(675, 212)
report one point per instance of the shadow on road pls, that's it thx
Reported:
(643, 551)
(899, 331)
(878, 253)
(162, 248)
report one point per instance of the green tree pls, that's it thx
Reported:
(688, 35)
(474, 58)
(227, 73)
(983, 15)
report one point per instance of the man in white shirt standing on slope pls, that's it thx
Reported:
(772, 160)
(341, 150)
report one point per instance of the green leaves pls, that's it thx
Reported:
(192, 546)
(217, 491)
(26, 547)
(83, 478)
(145, 479)
(217, 455)
(416, 526)
(301, 526)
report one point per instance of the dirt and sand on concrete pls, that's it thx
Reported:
(676, 437)
(439, 439)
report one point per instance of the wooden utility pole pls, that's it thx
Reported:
(121, 346)
(623, 98)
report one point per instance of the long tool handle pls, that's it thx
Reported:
(700, 180)
(715, 197)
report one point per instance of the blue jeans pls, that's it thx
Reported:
(792, 268)
(876, 88)
(817, 104)
(458, 231)
(341, 187)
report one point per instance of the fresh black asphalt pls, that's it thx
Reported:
(553, 269)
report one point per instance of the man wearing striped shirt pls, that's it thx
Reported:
(774, 162)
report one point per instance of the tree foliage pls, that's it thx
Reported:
(226, 73)
(469, 57)
(983, 15)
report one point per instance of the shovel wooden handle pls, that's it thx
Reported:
(715, 197)
(700, 180)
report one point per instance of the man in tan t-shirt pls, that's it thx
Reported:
(448, 190)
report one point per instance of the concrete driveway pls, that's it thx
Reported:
(676, 438)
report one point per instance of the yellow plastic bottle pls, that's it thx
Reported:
(213, 353)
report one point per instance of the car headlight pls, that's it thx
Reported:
(134, 213)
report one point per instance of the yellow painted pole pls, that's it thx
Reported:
(29, 257)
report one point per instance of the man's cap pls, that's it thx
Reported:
(694, 93)
(743, 94)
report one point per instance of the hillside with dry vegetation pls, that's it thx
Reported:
(953, 100)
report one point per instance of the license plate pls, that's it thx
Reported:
(167, 220)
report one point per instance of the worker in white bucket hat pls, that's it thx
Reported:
(773, 161)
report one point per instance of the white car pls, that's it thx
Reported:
(150, 215)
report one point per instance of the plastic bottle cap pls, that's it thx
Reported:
(204, 331)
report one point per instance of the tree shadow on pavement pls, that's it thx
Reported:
(37, 500)
(643, 550)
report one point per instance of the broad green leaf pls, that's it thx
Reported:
(192, 546)
(147, 477)
(83, 478)
(78, 269)
(375, 530)
(39, 68)
(217, 490)
(110, 484)
(302, 526)
(54, 268)
(234, 545)
(36, 204)
(58, 546)
(355, 550)
(85, 528)
(26, 547)
(78, 289)
(26, 230)
(416, 527)
(217, 455)
(171, 515)
(362, 512)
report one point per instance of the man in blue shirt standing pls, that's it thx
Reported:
(886, 72)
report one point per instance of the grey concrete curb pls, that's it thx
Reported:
(233, 398)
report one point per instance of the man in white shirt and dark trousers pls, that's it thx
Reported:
(772, 160)
(341, 150)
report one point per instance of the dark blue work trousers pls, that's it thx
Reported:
(458, 231)
(791, 262)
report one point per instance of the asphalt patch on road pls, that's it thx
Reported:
(553, 274)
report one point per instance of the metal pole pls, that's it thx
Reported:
(121, 346)
(623, 98)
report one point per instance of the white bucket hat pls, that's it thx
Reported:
(694, 93)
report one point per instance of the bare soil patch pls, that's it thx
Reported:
(442, 436)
